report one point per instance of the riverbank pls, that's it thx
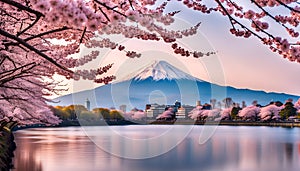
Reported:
(71, 123)
(228, 123)
(289, 124)
(7, 148)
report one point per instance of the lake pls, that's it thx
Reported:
(158, 147)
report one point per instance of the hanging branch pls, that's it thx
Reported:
(21, 41)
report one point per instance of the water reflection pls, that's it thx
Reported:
(231, 148)
(289, 151)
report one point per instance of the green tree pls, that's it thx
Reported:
(88, 116)
(234, 112)
(58, 111)
(102, 113)
(228, 102)
(288, 111)
(115, 115)
(74, 110)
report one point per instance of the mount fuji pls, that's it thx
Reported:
(159, 70)
(161, 83)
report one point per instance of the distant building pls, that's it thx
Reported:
(213, 103)
(88, 104)
(176, 106)
(148, 106)
(188, 108)
(123, 108)
(181, 114)
(198, 103)
(155, 110)
(244, 104)
(181, 111)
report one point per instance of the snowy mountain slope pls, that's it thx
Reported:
(158, 70)
(163, 82)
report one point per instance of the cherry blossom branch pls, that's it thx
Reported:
(105, 15)
(5, 13)
(82, 36)
(110, 8)
(12, 61)
(11, 78)
(9, 72)
(268, 14)
(131, 5)
(38, 36)
(288, 7)
(236, 21)
(47, 32)
(17, 88)
(13, 97)
(22, 7)
(21, 41)
(2, 60)
(227, 14)
(29, 26)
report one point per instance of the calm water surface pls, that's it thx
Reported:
(98, 149)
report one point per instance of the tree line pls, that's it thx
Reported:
(80, 112)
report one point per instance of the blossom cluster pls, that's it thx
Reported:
(256, 20)
(248, 113)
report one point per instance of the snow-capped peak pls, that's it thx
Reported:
(159, 70)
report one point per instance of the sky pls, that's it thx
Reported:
(241, 63)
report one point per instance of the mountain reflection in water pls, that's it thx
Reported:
(230, 148)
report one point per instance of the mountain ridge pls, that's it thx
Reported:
(161, 81)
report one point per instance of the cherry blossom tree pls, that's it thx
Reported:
(28, 54)
(23, 102)
(201, 114)
(274, 22)
(249, 113)
(270, 112)
(28, 28)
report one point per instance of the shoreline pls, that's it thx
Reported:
(162, 122)
(235, 123)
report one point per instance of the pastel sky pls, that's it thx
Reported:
(241, 63)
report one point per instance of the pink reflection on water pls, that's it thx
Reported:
(230, 148)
